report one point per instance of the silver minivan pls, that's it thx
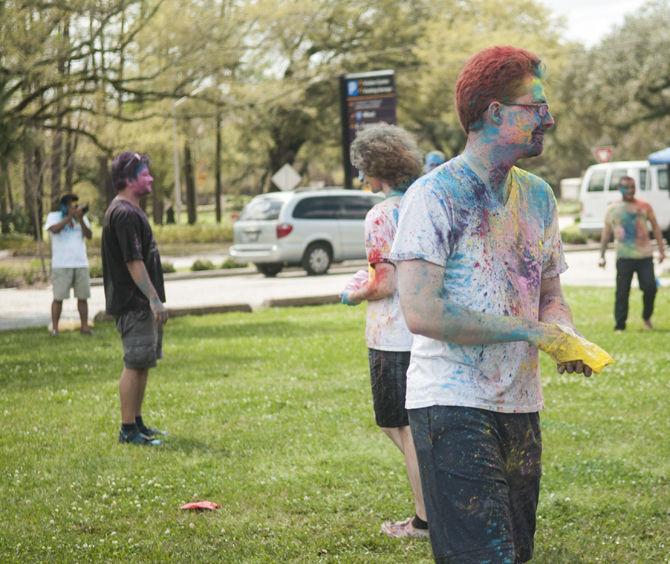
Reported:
(308, 228)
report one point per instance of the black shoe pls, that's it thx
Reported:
(137, 438)
(151, 432)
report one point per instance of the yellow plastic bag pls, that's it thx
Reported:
(570, 347)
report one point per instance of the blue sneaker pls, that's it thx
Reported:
(137, 438)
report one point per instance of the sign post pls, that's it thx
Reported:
(366, 98)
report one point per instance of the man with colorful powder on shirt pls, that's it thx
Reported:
(630, 220)
(134, 290)
(390, 161)
(479, 257)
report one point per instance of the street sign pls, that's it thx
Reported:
(286, 178)
(603, 154)
(366, 98)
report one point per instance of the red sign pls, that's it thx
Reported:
(603, 154)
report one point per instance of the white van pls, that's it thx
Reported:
(599, 189)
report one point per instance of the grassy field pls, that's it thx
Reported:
(270, 415)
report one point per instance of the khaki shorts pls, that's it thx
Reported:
(65, 278)
(142, 339)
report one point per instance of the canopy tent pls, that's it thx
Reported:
(660, 157)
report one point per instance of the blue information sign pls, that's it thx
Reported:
(366, 98)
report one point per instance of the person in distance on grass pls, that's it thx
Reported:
(134, 290)
(68, 229)
(390, 161)
(630, 220)
(478, 255)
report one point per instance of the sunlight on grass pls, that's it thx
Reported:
(270, 416)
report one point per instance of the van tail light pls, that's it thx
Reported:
(283, 229)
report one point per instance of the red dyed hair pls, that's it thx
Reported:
(492, 74)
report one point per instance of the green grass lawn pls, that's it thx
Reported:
(270, 415)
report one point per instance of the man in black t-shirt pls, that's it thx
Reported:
(134, 290)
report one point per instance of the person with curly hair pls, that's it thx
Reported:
(389, 161)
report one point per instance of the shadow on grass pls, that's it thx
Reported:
(191, 445)
(32, 360)
(258, 329)
(26, 375)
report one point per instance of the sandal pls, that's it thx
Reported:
(404, 529)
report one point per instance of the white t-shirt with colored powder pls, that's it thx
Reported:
(68, 248)
(495, 257)
(385, 328)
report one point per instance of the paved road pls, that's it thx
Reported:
(30, 307)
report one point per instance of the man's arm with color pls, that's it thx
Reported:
(428, 312)
(138, 272)
(605, 236)
(554, 309)
(381, 277)
(381, 285)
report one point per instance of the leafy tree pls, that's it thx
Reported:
(618, 92)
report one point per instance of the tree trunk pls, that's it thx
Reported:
(57, 139)
(4, 212)
(56, 162)
(190, 185)
(29, 185)
(32, 192)
(157, 207)
(105, 184)
(217, 168)
(71, 140)
(10, 196)
(122, 59)
(39, 191)
(38, 211)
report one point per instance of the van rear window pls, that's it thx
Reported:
(356, 207)
(597, 181)
(262, 209)
(324, 207)
(644, 183)
(663, 179)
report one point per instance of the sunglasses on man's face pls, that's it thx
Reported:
(136, 158)
(542, 109)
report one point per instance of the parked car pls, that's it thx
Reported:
(599, 189)
(310, 228)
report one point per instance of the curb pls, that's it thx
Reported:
(301, 302)
(225, 272)
(573, 248)
(183, 311)
(218, 273)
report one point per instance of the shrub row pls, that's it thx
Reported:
(203, 264)
(573, 235)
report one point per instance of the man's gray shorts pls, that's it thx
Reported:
(142, 339)
(65, 278)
